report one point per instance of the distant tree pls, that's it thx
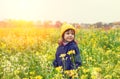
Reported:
(58, 24)
(99, 24)
(76, 25)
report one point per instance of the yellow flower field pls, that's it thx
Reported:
(28, 53)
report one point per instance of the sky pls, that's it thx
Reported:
(75, 11)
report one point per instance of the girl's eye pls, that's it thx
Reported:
(67, 33)
(72, 33)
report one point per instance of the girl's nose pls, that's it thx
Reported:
(70, 34)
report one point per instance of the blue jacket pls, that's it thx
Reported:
(67, 64)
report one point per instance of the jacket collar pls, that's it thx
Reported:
(68, 43)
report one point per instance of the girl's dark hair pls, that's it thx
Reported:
(60, 42)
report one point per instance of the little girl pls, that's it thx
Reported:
(67, 54)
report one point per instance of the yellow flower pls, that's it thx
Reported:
(96, 73)
(71, 52)
(16, 71)
(59, 68)
(97, 69)
(75, 76)
(25, 78)
(93, 77)
(67, 71)
(85, 70)
(32, 73)
(71, 73)
(83, 76)
(62, 55)
(58, 76)
(108, 77)
(37, 53)
(89, 58)
(39, 77)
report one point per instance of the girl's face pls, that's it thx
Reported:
(69, 35)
